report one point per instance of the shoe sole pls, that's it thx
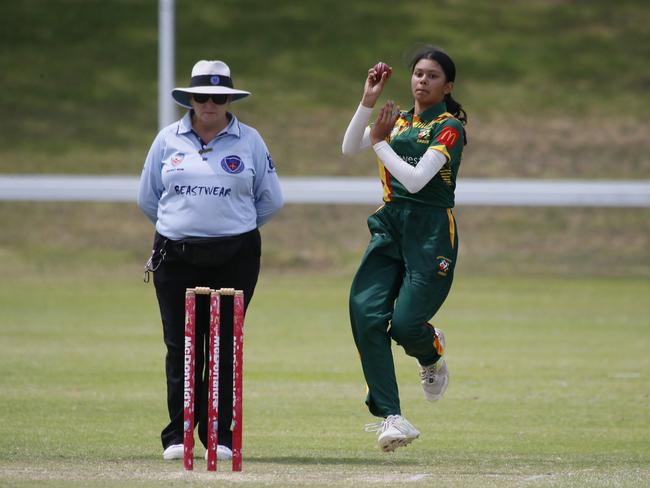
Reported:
(220, 457)
(171, 457)
(392, 444)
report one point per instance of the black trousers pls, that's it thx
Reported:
(230, 262)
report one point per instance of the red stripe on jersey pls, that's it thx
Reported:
(388, 195)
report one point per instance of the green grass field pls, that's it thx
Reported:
(547, 324)
(549, 386)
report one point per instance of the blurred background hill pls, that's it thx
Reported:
(553, 89)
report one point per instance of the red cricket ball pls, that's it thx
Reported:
(380, 68)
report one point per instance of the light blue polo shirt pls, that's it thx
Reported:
(224, 187)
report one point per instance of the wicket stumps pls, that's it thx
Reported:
(213, 375)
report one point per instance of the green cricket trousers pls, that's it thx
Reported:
(404, 277)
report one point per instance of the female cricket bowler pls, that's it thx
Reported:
(408, 267)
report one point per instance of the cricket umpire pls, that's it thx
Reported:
(208, 184)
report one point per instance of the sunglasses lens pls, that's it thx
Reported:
(204, 97)
(200, 97)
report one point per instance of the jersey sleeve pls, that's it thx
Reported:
(448, 138)
(150, 187)
(266, 186)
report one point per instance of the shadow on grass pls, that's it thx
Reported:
(328, 461)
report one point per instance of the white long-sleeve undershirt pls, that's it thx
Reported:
(357, 135)
(414, 178)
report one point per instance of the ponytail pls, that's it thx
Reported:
(456, 109)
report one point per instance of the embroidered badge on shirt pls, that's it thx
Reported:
(270, 160)
(177, 159)
(232, 164)
(443, 265)
(448, 137)
(424, 136)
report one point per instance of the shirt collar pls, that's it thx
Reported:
(430, 113)
(185, 125)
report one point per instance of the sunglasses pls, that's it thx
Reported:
(204, 97)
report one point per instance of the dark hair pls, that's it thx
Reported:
(448, 66)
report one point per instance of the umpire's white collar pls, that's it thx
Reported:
(185, 125)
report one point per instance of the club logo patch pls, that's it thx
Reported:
(232, 164)
(424, 136)
(448, 137)
(270, 161)
(215, 80)
(177, 159)
(444, 265)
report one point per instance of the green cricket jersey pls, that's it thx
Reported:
(435, 129)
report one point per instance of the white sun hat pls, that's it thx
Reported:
(212, 77)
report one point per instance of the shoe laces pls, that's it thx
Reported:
(429, 373)
(381, 426)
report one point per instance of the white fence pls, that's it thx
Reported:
(347, 190)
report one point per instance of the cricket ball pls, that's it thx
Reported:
(381, 68)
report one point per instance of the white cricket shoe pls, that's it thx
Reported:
(175, 451)
(393, 432)
(435, 377)
(223, 453)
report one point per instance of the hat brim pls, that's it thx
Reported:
(182, 95)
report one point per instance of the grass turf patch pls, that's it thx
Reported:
(549, 386)
(103, 238)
